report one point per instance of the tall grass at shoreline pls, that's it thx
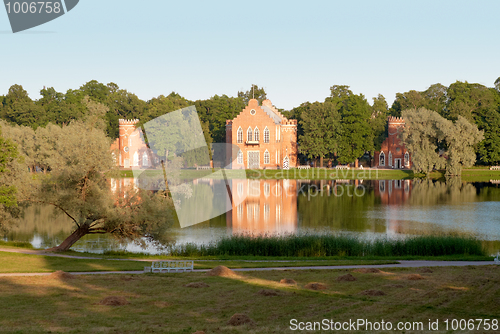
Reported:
(333, 245)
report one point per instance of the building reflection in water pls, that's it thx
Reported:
(265, 207)
(394, 193)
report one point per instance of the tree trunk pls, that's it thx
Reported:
(71, 240)
(321, 161)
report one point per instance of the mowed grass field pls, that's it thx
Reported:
(160, 303)
(28, 263)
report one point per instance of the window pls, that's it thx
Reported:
(249, 134)
(254, 188)
(267, 158)
(390, 159)
(267, 211)
(407, 159)
(136, 159)
(145, 159)
(252, 112)
(267, 189)
(240, 135)
(240, 157)
(381, 159)
(256, 134)
(240, 189)
(278, 213)
(239, 210)
(381, 186)
(266, 135)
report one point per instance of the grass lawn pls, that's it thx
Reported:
(472, 174)
(24, 263)
(159, 303)
(27, 263)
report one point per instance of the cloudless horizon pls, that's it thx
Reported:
(296, 50)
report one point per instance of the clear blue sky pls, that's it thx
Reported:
(295, 49)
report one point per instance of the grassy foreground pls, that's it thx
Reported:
(27, 263)
(472, 174)
(162, 304)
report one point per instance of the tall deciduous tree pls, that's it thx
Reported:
(320, 122)
(378, 121)
(426, 131)
(356, 134)
(461, 137)
(255, 92)
(422, 135)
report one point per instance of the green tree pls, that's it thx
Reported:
(215, 111)
(356, 133)
(497, 84)
(409, 100)
(20, 109)
(11, 172)
(378, 121)
(255, 92)
(460, 138)
(319, 122)
(422, 135)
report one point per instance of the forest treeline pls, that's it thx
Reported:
(343, 127)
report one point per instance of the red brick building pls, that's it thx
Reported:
(129, 148)
(393, 153)
(265, 138)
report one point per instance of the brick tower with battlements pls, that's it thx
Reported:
(393, 153)
(129, 149)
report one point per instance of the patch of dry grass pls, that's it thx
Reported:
(161, 303)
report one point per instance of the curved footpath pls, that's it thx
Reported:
(401, 264)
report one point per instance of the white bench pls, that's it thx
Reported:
(497, 259)
(304, 167)
(495, 168)
(167, 266)
(342, 167)
(203, 167)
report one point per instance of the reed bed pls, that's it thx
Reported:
(333, 245)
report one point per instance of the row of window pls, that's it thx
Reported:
(254, 189)
(252, 135)
(253, 211)
(397, 185)
(381, 159)
(267, 157)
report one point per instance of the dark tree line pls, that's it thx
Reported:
(344, 126)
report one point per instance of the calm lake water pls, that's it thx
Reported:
(371, 209)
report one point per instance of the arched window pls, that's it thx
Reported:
(267, 158)
(239, 135)
(266, 135)
(390, 159)
(256, 134)
(240, 157)
(407, 159)
(136, 159)
(145, 159)
(267, 189)
(249, 134)
(381, 159)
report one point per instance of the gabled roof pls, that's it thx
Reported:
(275, 117)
